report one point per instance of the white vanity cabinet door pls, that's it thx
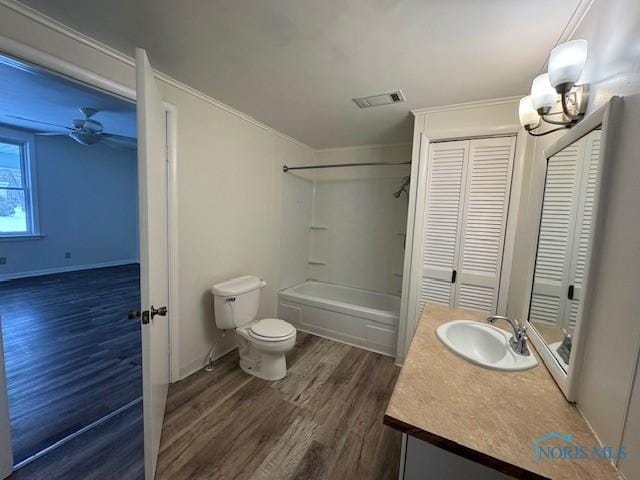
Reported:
(557, 226)
(423, 461)
(486, 203)
(442, 220)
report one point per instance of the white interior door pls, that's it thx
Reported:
(154, 265)
(486, 204)
(6, 452)
(442, 221)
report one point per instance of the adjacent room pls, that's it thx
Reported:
(70, 259)
(362, 239)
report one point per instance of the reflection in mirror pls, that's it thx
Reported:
(563, 243)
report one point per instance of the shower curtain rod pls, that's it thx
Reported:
(339, 165)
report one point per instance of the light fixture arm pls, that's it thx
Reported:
(565, 108)
(531, 132)
(569, 122)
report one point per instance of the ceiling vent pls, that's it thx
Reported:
(380, 99)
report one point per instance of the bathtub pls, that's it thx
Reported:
(358, 317)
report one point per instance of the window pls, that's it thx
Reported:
(18, 213)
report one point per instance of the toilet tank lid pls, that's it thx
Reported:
(237, 286)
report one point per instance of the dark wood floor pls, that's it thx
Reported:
(113, 450)
(71, 354)
(323, 421)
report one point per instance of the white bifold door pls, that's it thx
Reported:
(154, 264)
(465, 215)
(565, 227)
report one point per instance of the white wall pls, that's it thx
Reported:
(87, 203)
(230, 181)
(612, 28)
(363, 244)
(229, 184)
(613, 329)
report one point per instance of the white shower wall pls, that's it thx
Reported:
(343, 225)
(295, 238)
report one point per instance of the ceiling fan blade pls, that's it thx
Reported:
(114, 143)
(121, 138)
(51, 134)
(38, 121)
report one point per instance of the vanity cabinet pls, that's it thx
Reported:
(423, 461)
(465, 207)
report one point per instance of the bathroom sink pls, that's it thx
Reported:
(483, 345)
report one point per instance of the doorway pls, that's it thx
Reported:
(69, 266)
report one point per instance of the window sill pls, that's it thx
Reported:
(20, 238)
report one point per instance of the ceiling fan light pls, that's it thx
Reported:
(543, 95)
(528, 115)
(566, 63)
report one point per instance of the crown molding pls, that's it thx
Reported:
(111, 52)
(467, 105)
(363, 147)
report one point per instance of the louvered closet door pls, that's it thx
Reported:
(591, 149)
(442, 220)
(486, 204)
(557, 226)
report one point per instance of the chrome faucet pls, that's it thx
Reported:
(519, 340)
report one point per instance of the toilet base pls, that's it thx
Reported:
(267, 367)
(265, 361)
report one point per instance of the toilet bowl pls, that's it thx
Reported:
(262, 344)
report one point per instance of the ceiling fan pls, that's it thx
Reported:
(85, 131)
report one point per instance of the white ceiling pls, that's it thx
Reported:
(296, 64)
(36, 94)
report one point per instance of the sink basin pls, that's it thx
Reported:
(483, 345)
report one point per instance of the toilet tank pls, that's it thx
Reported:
(236, 301)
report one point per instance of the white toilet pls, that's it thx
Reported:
(262, 343)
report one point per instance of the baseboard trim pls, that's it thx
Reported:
(199, 364)
(76, 434)
(73, 268)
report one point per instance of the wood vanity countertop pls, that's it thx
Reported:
(487, 416)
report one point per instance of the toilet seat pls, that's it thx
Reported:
(271, 330)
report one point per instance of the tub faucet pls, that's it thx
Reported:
(519, 340)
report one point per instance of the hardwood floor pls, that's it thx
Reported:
(71, 354)
(112, 450)
(323, 421)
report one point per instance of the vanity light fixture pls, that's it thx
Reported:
(543, 95)
(529, 117)
(566, 63)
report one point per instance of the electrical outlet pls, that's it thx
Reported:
(67, 254)
(3, 260)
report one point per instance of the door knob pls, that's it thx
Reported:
(162, 311)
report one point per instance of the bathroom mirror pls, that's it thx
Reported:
(566, 242)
